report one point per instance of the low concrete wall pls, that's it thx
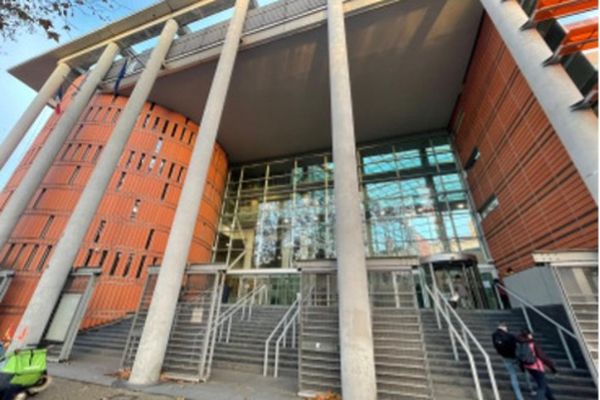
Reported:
(536, 285)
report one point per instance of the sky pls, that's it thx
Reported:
(16, 96)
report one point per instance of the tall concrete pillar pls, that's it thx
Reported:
(356, 338)
(153, 343)
(22, 195)
(40, 100)
(48, 290)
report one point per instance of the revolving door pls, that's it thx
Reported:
(457, 276)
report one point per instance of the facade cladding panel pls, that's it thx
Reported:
(542, 202)
(130, 230)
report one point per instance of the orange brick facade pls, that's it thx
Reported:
(542, 202)
(130, 230)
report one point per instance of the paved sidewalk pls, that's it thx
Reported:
(223, 385)
(64, 389)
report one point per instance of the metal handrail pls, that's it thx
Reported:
(292, 322)
(454, 335)
(241, 304)
(274, 331)
(559, 328)
(468, 334)
(227, 315)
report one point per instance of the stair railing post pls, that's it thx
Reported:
(566, 347)
(395, 285)
(526, 316)
(228, 329)
(498, 298)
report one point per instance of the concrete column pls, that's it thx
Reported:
(48, 291)
(552, 87)
(17, 133)
(356, 338)
(35, 175)
(153, 344)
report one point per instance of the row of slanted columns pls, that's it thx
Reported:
(356, 343)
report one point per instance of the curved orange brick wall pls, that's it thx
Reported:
(121, 241)
(543, 203)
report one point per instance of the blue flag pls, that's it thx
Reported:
(120, 78)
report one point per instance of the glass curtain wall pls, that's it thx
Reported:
(413, 195)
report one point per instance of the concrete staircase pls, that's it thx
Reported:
(186, 342)
(452, 380)
(104, 341)
(585, 310)
(400, 361)
(246, 346)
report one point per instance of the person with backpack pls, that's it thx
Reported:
(505, 344)
(534, 361)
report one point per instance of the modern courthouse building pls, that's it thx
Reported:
(348, 196)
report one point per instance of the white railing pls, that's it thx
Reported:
(293, 323)
(559, 328)
(290, 313)
(442, 308)
(243, 305)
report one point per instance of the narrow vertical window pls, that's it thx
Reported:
(46, 227)
(98, 110)
(97, 154)
(164, 191)
(115, 263)
(180, 174)
(130, 159)
(191, 138)
(127, 265)
(76, 151)
(135, 209)
(78, 131)
(156, 122)
(151, 163)
(74, 175)
(141, 161)
(88, 258)
(106, 114)
(87, 114)
(31, 257)
(149, 239)
(86, 152)
(182, 133)
(121, 181)
(165, 126)
(171, 169)
(38, 200)
(64, 154)
(102, 258)
(99, 231)
(18, 255)
(146, 119)
(161, 166)
(8, 252)
(116, 115)
(174, 131)
(140, 267)
(42, 262)
(159, 144)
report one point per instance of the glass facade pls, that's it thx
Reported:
(414, 203)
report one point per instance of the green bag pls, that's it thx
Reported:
(26, 366)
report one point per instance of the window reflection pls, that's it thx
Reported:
(414, 203)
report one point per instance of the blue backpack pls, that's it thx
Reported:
(524, 354)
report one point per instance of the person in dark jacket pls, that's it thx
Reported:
(505, 344)
(534, 361)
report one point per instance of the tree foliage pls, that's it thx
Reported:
(53, 17)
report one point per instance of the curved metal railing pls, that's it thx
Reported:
(443, 308)
(282, 321)
(561, 330)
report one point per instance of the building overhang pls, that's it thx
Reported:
(408, 59)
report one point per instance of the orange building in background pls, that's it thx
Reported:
(130, 231)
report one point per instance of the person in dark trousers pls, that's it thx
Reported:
(534, 361)
(505, 344)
